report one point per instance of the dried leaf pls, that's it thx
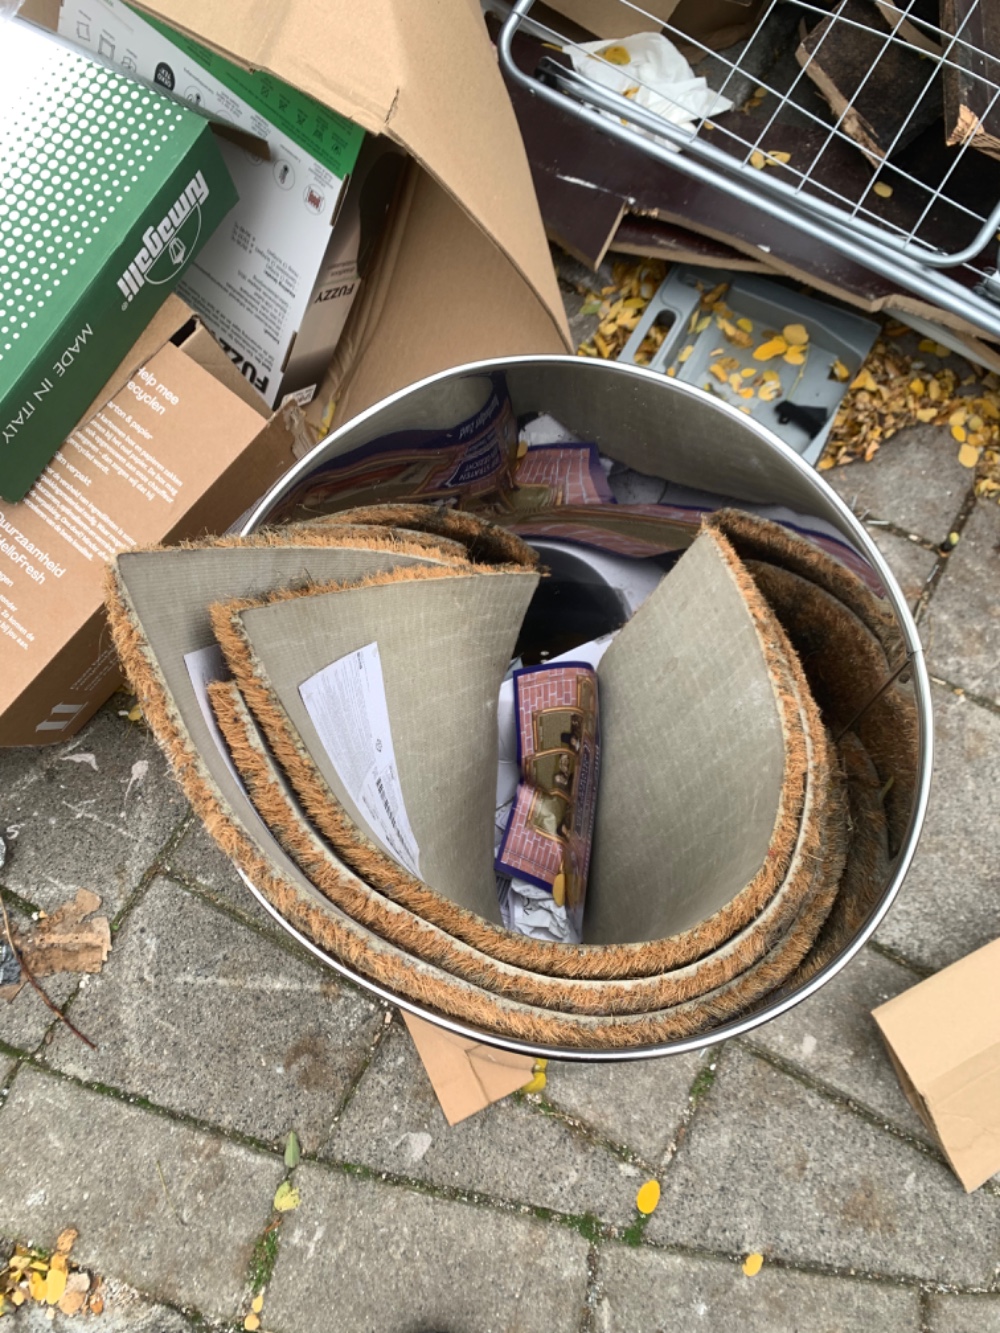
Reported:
(36, 1285)
(882, 190)
(768, 351)
(839, 371)
(135, 713)
(648, 1197)
(863, 380)
(745, 393)
(768, 391)
(251, 1323)
(286, 1197)
(685, 353)
(958, 433)
(968, 455)
(775, 159)
(293, 1150)
(257, 1304)
(616, 55)
(757, 160)
(73, 1298)
(719, 373)
(925, 413)
(796, 356)
(918, 387)
(66, 941)
(745, 324)
(536, 1083)
(66, 1240)
(796, 335)
(752, 1264)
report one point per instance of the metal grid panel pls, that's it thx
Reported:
(941, 210)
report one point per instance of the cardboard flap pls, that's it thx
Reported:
(444, 644)
(465, 1075)
(688, 713)
(430, 82)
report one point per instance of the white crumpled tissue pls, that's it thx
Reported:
(654, 75)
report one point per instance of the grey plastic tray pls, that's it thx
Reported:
(834, 335)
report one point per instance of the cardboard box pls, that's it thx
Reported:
(463, 270)
(252, 283)
(109, 191)
(136, 472)
(466, 1075)
(943, 1037)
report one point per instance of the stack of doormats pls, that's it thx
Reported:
(327, 694)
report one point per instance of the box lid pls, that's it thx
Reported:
(429, 81)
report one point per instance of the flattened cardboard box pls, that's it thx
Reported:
(944, 1039)
(137, 472)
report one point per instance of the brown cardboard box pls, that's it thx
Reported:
(944, 1039)
(137, 471)
(464, 270)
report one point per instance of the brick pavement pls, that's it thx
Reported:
(217, 1035)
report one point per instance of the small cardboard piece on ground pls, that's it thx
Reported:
(943, 1037)
(466, 1075)
(136, 472)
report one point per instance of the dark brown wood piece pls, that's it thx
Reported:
(880, 89)
(972, 76)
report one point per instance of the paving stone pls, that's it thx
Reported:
(769, 1165)
(833, 1036)
(911, 563)
(198, 860)
(963, 1314)
(510, 1151)
(644, 1291)
(363, 1257)
(125, 1311)
(638, 1105)
(961, 630)
(948, 903)
(171, 1210)
(203, 1015)
(914, 481)
(93, 812)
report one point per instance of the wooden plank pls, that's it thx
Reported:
(876, 87)
(923, 33)
(972, 76)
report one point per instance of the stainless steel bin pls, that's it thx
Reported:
(690, 439)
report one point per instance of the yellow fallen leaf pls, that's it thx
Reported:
(777, 159)
(616, 55)
(286, 1197)
(745, 324)
(796, 356)
(975, 422)
(251, 1323)
(927, 345)
(36, 1285)
(769, 350)
(771, 377)
(747, 372)
(72, 1300)
(671, 372)
(135, 713)
(882, 190)
(925, 413)
(839, 371)
(55, 1285)
(686, 353)
(825, 464)
(540, 1065)
(735, 382)
(17, 1296)
(769, 391)
(718, 372)
(66, 1240)
(745, 393)
(752, 1264)
(968, 455)
(648, 1197)
(757, 160)
(536, 1083)
(863, 380)
(958, 417)
(941, 350)
(59, 1261)
(918, 387)
(796, 335)
(257, 1304)
(958, 433)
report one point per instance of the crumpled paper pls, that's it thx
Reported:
(652, 73)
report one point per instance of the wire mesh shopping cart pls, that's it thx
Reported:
(910, 192)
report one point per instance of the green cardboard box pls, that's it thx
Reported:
(107, 191)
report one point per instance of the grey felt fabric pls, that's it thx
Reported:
(445, 645)
(692, 757)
